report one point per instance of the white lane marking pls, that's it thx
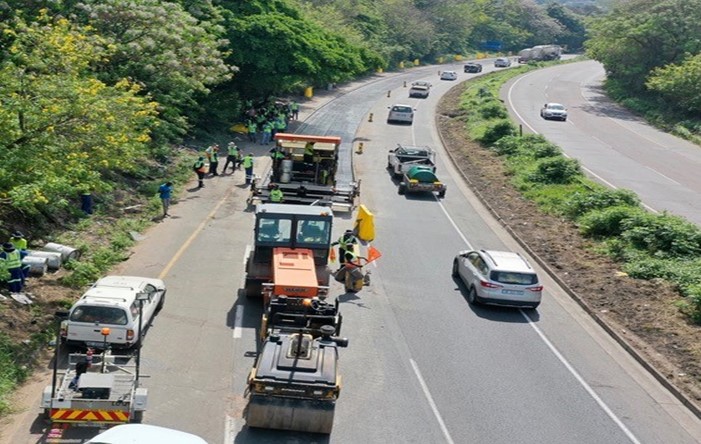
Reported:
(229, 427)
(238, 321)
(590, 172)
(581, 381)
(660, 174)
(428, 396)
(559, 356)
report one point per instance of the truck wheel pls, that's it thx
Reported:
(252, 289)
(455, 268)
(441, 194)
(137, 417)
(47, 414)
(402, 188)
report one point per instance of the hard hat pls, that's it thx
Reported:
(17, 234)
(8, 247)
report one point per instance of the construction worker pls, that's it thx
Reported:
(213, 160)
(252, 130)
(13, 262)
(267, 133)
(309, 152)
(164, 192)
(17, 239)
(277, 155)
(248, 167)
(232, 155)
(276, 195)
(200, 168)
(294, 108)
(279, 125)
(346, 243)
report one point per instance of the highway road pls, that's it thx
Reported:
(422, 366)
(616, 147)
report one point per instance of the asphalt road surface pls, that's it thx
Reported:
(616, 147)
(422, 366)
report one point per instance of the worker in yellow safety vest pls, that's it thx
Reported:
(276, 195)
(248, 167)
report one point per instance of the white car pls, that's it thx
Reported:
(554, 111)
(419, 91)
(115, 303)
(144, 434)
(502, 62)
(400, 114)
(449, 75)
(498, 278)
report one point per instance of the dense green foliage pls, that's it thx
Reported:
(61, 127)
(650, 50)
(647, 245)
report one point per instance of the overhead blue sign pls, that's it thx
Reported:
(491, 45)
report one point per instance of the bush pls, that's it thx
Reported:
(597, 199)
(493, 110)
(508, 146)
(498, 130)
(84, 273)
(545, 149)
(557, 170)
(606, 222)
(662, 235)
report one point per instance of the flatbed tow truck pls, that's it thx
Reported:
(106, 394)
(306, 177)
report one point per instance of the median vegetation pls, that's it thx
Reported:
(646, 245)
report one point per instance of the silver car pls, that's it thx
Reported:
(553, 111)
(502, 62)
(498, 278)
(401, 114)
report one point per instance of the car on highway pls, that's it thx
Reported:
(472, 67)
(422, 83)
(121, 304)
(498, 278)
(419, 91)
(449, 75)
(144, 434)
(502, 62)
(554, 111)
(400, 114)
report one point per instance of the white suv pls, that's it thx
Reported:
(113, 302)
(498, 277)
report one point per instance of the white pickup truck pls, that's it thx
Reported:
(404, 157)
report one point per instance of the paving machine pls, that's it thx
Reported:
(306, 171)
(294, 384)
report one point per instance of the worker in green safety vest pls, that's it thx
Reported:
(248, 167)
(276, 195)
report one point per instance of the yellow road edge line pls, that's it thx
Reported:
(192, 237)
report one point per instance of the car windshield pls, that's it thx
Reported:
(513, 278)
(99, 314)
(556, 107)
(401, 109)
